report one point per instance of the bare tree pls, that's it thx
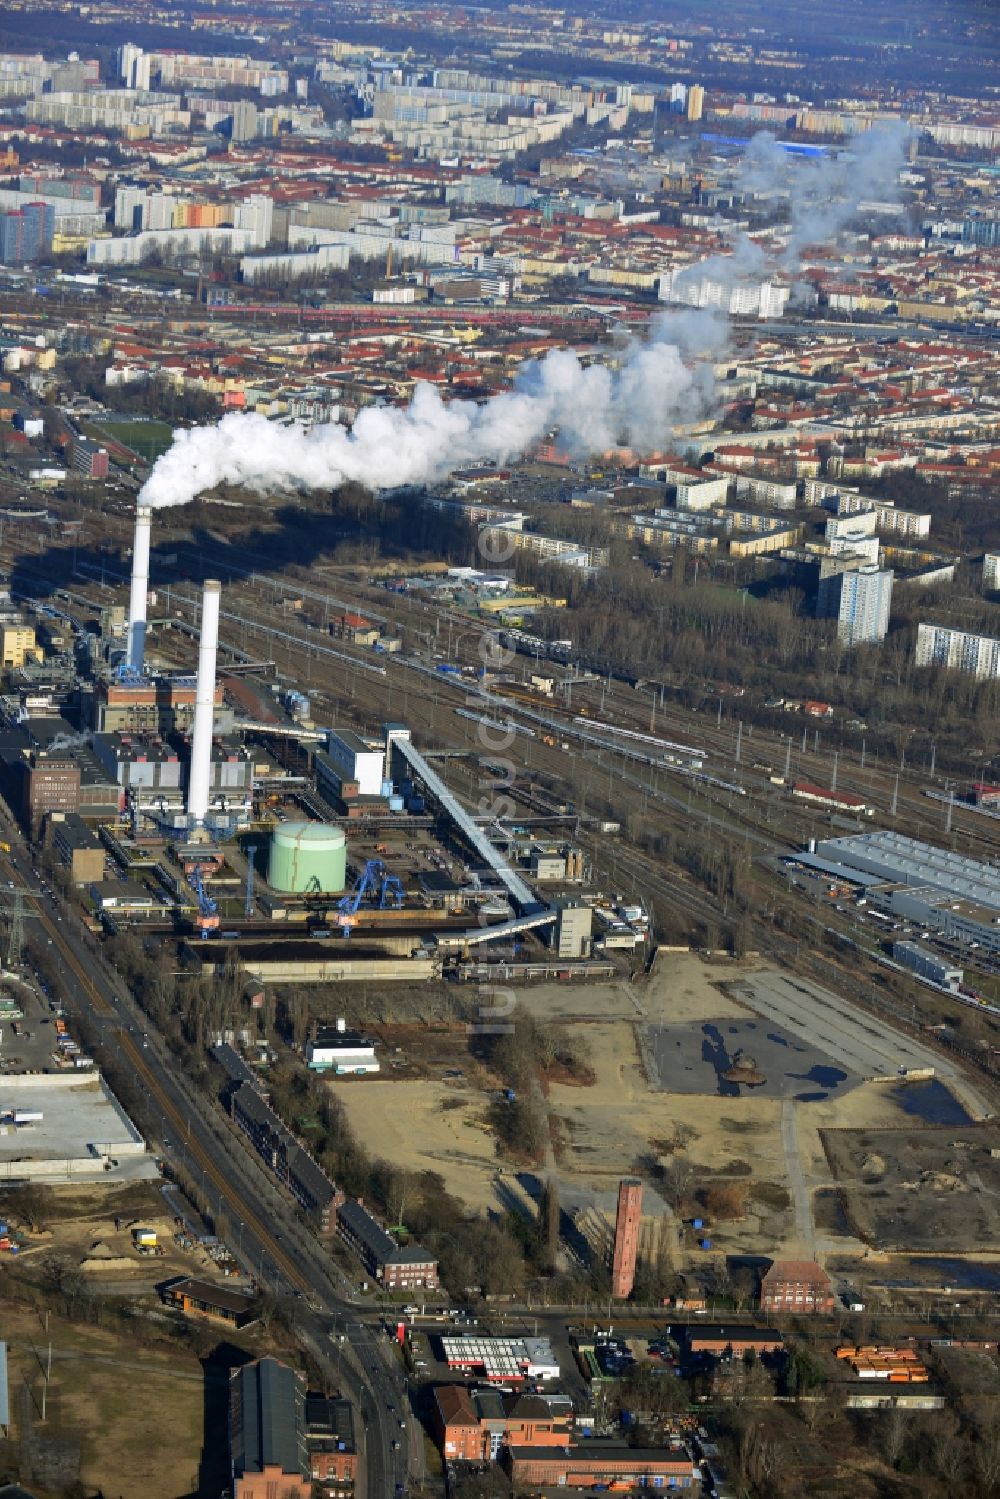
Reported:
(986, 1458)
(889, 1436)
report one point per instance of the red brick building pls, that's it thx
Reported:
(395, 1266)
(603, 1465)
(626, 1246)
(330, 1446)
(475, 1426)
(796, 1286)
(51, 783)
(720, 1339)
(355, 628)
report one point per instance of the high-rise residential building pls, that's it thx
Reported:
(256, 214)
(859, 600)
(626, 1246)
(991, 572)
(982, 231)
(26, 233)
(958, 650)
(135, 66)
(695, 101)
(244, 120)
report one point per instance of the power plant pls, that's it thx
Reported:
(227, 814)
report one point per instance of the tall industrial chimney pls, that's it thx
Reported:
(140, 588)
(200, 775)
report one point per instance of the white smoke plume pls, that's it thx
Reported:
(745, 264)
(826, 193)
(69, 741)
(655, 388)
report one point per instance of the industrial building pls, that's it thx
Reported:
(358, 761)
(161, 706)
(342, 1052)
(73, 1128)
(942, 891)
(267, 1432)
(77, 847)
(927, 965)
(396, 1267)
(908, 861)
(18, 645)
(574, 929)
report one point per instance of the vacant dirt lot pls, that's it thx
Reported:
(429, 1109)
(930, 1189)
(138, 1414)
(427, 1125)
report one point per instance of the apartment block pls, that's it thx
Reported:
(958, 650)
(859, 600)
(394, 1266)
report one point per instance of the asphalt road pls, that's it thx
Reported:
(263, 1228)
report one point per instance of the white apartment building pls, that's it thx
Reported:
(773, 494)
(958, 650)
(760, 299)
(859, 601)
(913, 524)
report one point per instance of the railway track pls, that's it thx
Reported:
(100, 1006)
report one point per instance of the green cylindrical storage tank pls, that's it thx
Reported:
(307, 856)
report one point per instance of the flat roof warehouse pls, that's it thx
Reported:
(895, 859)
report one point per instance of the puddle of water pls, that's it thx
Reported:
(823, 1076)
(969, 1277)
(930, 1101)
(826, 1077)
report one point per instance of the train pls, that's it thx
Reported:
(534, 645)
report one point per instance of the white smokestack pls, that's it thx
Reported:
(140, 588)
(200, 776)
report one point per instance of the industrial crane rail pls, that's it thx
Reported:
(521, 893)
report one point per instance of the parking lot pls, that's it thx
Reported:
(27, 1029)
(852, 1039)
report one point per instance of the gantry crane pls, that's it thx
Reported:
(376, 887)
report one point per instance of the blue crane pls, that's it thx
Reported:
(377, 887)
(208, 909)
